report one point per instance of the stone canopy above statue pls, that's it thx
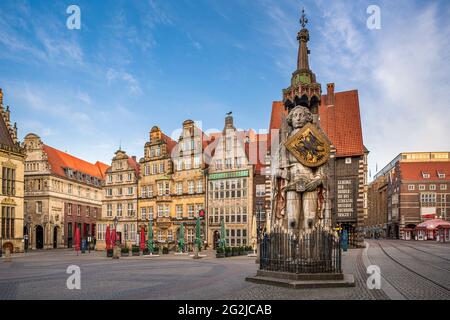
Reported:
(304, 90)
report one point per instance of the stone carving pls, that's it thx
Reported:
(300, 171)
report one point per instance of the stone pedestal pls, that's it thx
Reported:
(303, 280)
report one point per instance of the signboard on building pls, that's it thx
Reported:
(428, 212)
(228, 175)
(345, 199)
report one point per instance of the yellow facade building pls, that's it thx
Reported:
(12, 162)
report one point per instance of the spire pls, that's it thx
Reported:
(303, 38)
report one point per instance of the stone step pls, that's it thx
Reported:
(348, 281)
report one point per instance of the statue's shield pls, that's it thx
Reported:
(309, 146)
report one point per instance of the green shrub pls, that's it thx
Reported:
(135, 248)
(125, 250)
(219, 250)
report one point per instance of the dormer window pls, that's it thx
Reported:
(441, 175)
(425, 175)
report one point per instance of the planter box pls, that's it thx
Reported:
(125, 254)
(136, 253)
(145, 252)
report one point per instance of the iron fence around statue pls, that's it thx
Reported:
(315, 251)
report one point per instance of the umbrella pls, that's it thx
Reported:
(181, 240)
(77, 238)
(222, 241)
(108, 238)
(198, 241)
(142, 244)
(113, 237)
(150, 236)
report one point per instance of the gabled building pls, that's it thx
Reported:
(156, 187)
(12, 159)
(61, 191)
(120, 199)
(230, 181)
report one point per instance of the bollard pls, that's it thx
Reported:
(7, 255)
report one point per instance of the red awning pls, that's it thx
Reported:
(433, 224)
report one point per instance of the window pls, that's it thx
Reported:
(133, 231)
(95, 212)
(441, 175)
(160, 189)
(109, 192)
(191, 211)
(179, 188)
(8, 181)
(38, 207)
(197, 162)
(190, 187)
(160, 236)
(147, 169)
(154, 168)
(228, 163)
(218, 164)
(143, 213)
(144, 192)
(179, 211)
(88, 211)
(78, 210)
(101, 231)
(169, 235)
(161, 167)
(119, 178)
(443, 187)
(432, 187)
(425, 175)
(150, 213)
(198, 207)
(130, 176)
(260, 190)
(163, 210)
(348, 160)
(428, 199)
(69, 209)
(199, 186)
(150, 191)
(411, 187)
(119, 191)
(69, 188)
(130, 211)
(187, 163)
(179, 165)
(8, 220)
(119, 209)
(110, 180)
(236, 237)
(421, 187)
(130, 190)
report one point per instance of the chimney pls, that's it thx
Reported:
(330, 94)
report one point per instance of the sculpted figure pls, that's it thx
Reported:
(299, 190)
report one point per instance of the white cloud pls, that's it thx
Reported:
(131, 82)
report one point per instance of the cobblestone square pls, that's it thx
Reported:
(409, 270)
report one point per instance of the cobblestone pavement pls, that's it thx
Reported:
(42, 275)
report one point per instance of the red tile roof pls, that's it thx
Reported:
(133, 163)
(59, 160)
(413, 170)
(169, 142)
(341, 122)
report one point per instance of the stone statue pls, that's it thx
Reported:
(299, 174)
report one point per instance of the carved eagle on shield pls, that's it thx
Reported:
(309, 146)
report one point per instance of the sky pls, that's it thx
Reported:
(136, 64)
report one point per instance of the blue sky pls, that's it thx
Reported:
(135, 64)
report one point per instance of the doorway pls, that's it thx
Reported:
(216, 238)
(55, 237)
(39, 237)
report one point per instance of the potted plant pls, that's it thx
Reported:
(220, 253)
(125, 252)
(146, 251)
(227, 251)
(135, 250)
(109, 253)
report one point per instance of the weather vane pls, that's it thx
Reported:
(303, 19)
